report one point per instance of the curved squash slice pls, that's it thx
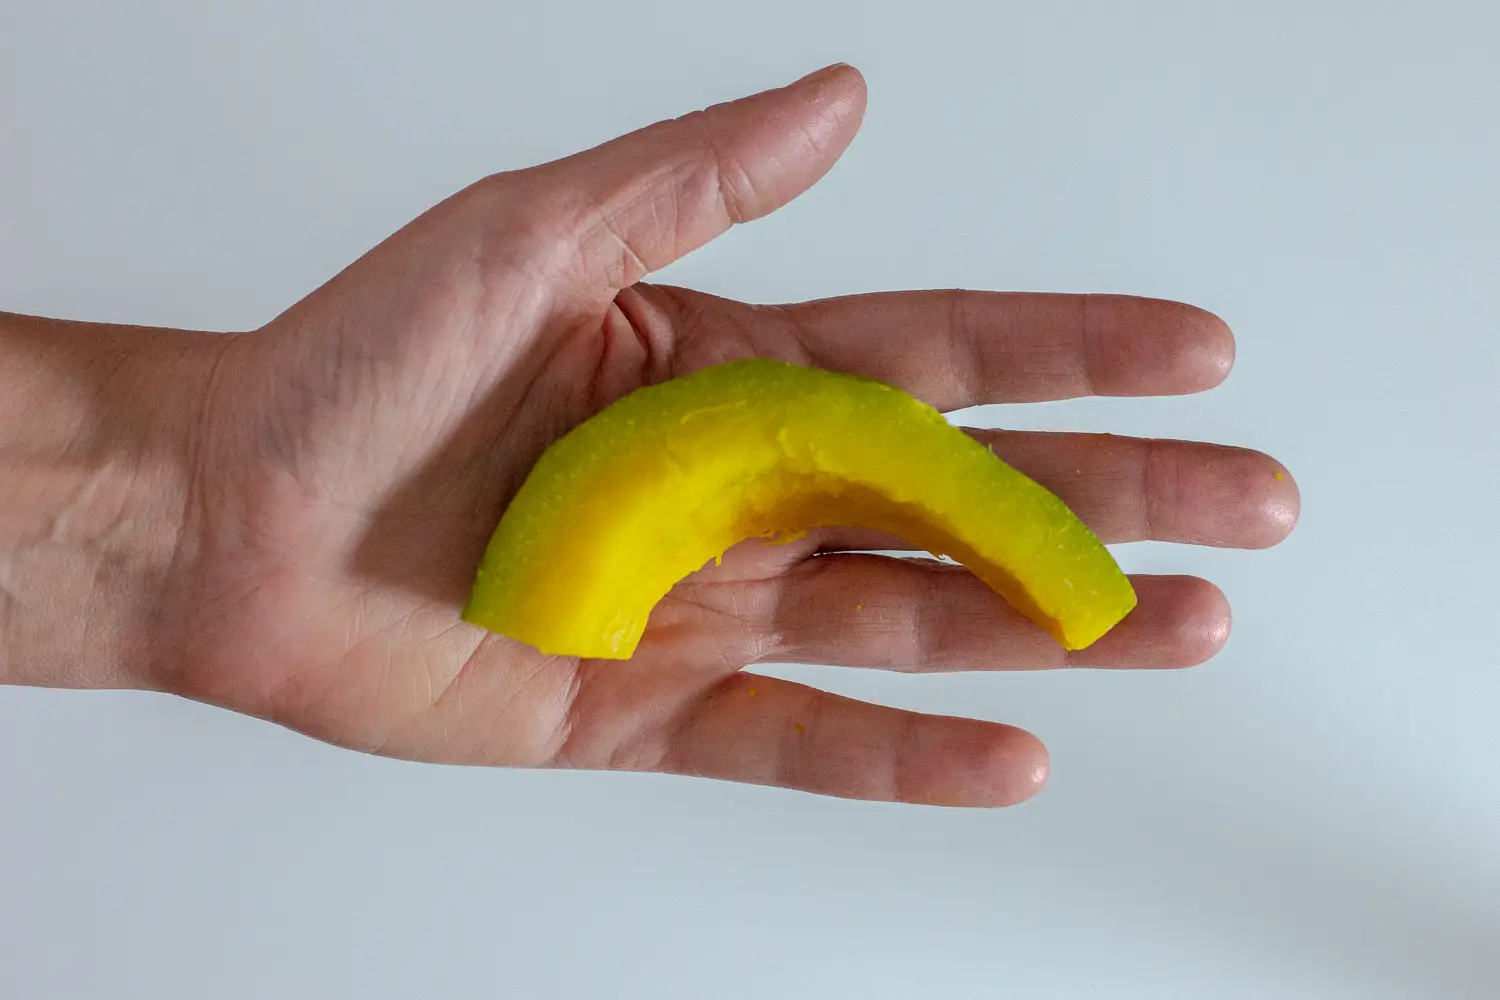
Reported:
(653, 487)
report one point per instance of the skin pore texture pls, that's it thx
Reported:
(285, 522)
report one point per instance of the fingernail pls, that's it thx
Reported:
(823, 73)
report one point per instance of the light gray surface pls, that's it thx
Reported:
(1314, 814)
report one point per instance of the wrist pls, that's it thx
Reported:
(97, 437)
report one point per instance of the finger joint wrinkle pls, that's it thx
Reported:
(1088, 345)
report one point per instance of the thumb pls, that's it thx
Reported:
(636, 204)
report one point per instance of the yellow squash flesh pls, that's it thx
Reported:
(656, 485)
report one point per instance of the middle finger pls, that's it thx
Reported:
(1138, 489)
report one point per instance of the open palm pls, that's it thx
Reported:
(355, 454)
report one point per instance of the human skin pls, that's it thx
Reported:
(285, 522)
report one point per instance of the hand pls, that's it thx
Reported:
(352, 457)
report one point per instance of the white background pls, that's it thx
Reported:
(1313, 814)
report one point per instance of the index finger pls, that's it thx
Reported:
(959, 348)
(955, 348)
